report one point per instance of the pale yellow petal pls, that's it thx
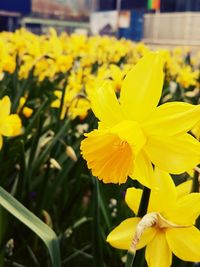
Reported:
(186, 210)
(172, 118)
(184, 188)
(142, 87)
(105, 105)
(163, 192)
(143, 170)
(158, 253)
(121, 237)
(174, 154)
(184, 243)
(132, 198)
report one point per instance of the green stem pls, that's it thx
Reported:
(97, 251)
(2, 229)
(130, 259)
(137, 259)
(144, 202)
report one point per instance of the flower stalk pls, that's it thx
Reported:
(131, 254)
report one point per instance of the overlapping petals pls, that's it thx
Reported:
(176, 234)
(161, 134)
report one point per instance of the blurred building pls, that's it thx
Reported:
(38, 15)
(176, 19)
(175, 22)
(166, 5)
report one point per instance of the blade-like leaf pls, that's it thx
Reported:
(34, 223)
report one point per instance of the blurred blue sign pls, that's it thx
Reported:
(22, 6)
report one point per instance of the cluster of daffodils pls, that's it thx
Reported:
(81, 63)
(138, 138)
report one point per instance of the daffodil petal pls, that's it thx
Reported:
(186, 210)
(132, 198)
(142, 87)
(184, 189)
(15, 123)
(172, 118)
(5, 106)
(174, 154)
(5, 128)
(105, 105)
(164, 190)
(121, 237)
(184, 243)
(196, 130)
(158, 252)
(143, 171)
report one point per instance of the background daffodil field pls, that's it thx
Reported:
(47, 192)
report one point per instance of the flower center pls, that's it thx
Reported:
(152, 219)
(110, 153)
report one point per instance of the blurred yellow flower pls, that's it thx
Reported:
(26, 111)
(187, 77)
(74, 104)
(171, 216)
(134, 132)
(10, 125)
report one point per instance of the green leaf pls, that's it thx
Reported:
(34, 223)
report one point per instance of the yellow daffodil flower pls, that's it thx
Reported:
(74, 105)
(134, 132)
(172, 230)
(187, 77)
(10, 125)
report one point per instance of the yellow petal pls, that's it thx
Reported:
(184, 243)
(11, 126)
(184, 189)
(143, 171)
(163, 192)
(105, 105)
(196, 130)
(186, 210)
(56, 103)
(110, 158)
(5, 106)
(5, 128)
(132, 198)
(172, 118)
(158, 253)
(174, 154)
(142, 87)
(121, 237)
